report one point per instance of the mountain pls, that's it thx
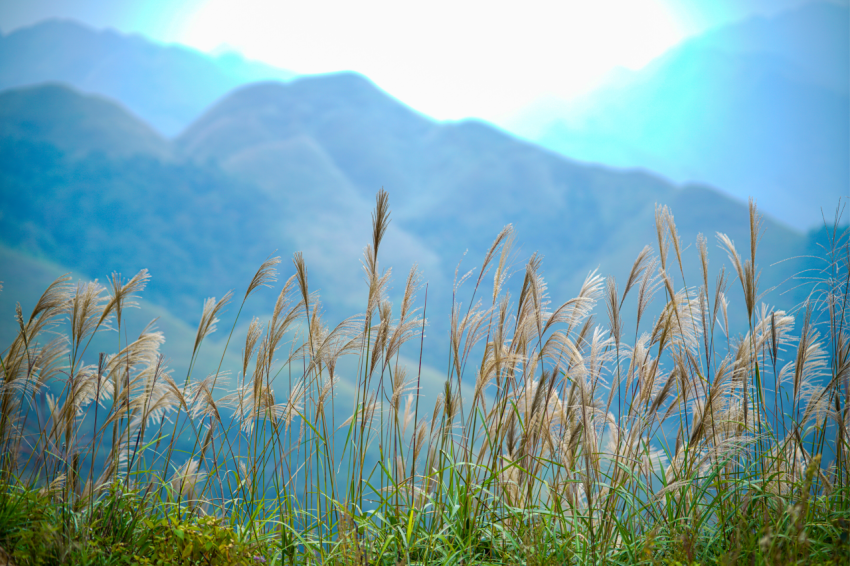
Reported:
(444, 178)
(96, 210)
(759, 108)
(813, 37)
(167, 86)
(75, 124)
(286, 167)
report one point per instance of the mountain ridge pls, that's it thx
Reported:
(76, 123)
(168, 86)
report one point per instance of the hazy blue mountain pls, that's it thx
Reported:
(77, 125)
(813, 37)
(453, 185)
(167, 86)
(294, 167)
(448, 179)
(758, 108)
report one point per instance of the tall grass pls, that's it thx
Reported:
(556, 438)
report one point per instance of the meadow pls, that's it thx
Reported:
(564, 433)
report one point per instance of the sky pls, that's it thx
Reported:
(449, 59)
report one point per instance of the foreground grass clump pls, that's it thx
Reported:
(661, 439)
(34, 531)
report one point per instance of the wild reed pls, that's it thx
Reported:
(555, 439)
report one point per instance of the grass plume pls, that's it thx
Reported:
(554, 440)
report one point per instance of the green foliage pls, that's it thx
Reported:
(118, 530)
(191, 541)
(28, 532)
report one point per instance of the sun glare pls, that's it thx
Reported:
(447, 59)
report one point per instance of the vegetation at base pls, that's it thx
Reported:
(115, 530)
(557, 438)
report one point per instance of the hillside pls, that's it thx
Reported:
(454, 185)
(75, 124)
(280, 168)
(25, 277)
(167, 86)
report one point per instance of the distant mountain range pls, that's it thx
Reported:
(295, 166)
(445, 178)
(119, 154)
(168, 86)
(758, 108)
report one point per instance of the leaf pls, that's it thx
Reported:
(410, 525)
